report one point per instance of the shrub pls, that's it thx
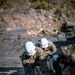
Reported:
(58, 11)
(8, 5)
(32, 0)
(2, 2)
(68, 14)
(73, 3)
(54, 35)
(44, 5)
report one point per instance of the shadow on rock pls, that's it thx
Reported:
(11, 70)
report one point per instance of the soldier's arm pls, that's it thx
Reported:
(40, 55)
(53, 47)
(25, 59)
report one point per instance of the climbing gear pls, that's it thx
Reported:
(29, 48)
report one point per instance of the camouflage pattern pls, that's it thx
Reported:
(46, 53)
(39, 59)
(40, 53)
(44, 56)
(30, 62)
(52, 47)
(42, 60)
(50, 50)
(27, 63)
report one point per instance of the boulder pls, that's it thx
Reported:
(20, 19)
(9, 20)
(1, 10)
(3, 27)
(63, 16)
(41, 17)
(70, 24)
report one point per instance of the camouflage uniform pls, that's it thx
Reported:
(38, 60)
(30, 62)
(46, 54)
(42, 60)
(27, 62)
(50, 50)
(51, 47)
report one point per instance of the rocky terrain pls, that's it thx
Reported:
(21, 23)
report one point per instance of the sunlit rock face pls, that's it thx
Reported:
(18, 25)
(37, 22)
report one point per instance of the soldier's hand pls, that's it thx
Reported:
(48, 56)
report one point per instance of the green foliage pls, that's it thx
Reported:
(68, 14)
(8, 5)
(44, 5)
(2, 2)
(58, 11)
(54, 35)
